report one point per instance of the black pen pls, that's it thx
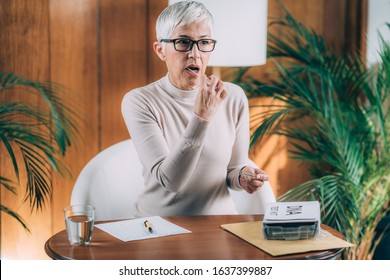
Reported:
(148, 226)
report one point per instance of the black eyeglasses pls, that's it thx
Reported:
(186, 45)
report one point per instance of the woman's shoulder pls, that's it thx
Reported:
(144, 90)
(142, 94)
(142, 98)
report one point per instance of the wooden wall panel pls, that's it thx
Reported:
(74, 63)
(356, 18)
(291, 172)
(156, 67)
(123, 61)
(24, 50)
(335, 22)
(271, 153)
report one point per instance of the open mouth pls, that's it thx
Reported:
(193, 69)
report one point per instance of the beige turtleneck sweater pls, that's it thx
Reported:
(188, 163)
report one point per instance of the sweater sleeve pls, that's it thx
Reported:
(239, 157)
(170, 167)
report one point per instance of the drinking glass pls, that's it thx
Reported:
(79, 221)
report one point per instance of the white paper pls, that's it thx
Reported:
(292, 211)
(135, 229)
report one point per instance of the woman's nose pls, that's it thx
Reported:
(194, 52)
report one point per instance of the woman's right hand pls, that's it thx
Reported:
(251, 179)
(211, 94)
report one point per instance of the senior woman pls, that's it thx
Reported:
(191, 132)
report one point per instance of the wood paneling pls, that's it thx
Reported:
(74, 63)
(99, 50)
(336, 22)
(123, 61)
(156, 67)
(290, 172)
(271, 153)
(356, 26)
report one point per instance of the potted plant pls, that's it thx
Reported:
(33, 137)
(335, 113)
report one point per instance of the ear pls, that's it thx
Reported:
(159, 50)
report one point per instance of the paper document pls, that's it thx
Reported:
(292, 211)
(135, 229)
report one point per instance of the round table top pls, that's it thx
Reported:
(206, 242)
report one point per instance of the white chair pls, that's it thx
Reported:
(112, 182)
(253, 203)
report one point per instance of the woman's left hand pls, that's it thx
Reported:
(252, 179)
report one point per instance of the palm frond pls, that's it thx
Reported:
(338, 202)
(8, 184)
(35, 137)
(335, 114)
(272, 120)
(61, 114)
(14, 215)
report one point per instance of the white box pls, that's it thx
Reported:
(292, 220)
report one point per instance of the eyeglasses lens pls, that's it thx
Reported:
(204, 45)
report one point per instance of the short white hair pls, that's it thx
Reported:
(181, 14)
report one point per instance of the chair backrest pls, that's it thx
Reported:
(253, 203)
(112, 182)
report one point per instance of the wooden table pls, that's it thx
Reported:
(206, 242)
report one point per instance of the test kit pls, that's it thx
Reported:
(291, 220)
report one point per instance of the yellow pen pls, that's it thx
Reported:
(148, 226)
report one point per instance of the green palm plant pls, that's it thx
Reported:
(34, 137)
(335, 113)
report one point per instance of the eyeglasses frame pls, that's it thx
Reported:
(194, 42)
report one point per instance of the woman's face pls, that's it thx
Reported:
(185, 68)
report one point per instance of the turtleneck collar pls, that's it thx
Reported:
(175, 92)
